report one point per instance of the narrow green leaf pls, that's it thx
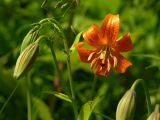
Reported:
(59, 95)
(86, 111)
(76, 41)
(88, 107)
(42, 109)
(44, 3)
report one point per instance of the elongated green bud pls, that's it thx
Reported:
(155, 115)
(29, 38)
(126, 106)
(25, 59)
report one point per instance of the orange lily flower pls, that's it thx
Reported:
(106, 47)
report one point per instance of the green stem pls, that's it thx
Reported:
(50, 44)
(70, 77)
(10, 96)
(157, 108)
(71, 87)
(29, 99)
(59, 28)
(69, 68)
(146, 93)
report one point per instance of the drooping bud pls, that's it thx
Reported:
(126, 106)
(29, 38)
(25, 59)
(155, 115)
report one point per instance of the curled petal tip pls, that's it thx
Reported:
(124, 44)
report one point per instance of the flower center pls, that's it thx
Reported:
(105, 57)
(104, 54)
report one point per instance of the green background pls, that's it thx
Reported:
(139, 17)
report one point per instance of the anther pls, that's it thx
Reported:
(108, 65)
(102, 55)
(115, 61)
(93, 62)
(100, 68)
(90, 56)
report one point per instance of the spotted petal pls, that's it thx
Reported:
(122, 64)
(84, 52)
(124, 44)
(93, 36)
(110, 28)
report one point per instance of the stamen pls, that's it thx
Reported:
(93, 62)
(100, 68)
(115, 61)
(103, 60)
(108, 65)
(90, 56)
(102, 55)
(100, 51)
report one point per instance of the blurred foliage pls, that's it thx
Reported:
(139, 17)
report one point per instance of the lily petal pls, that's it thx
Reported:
(93, 37)
(124, 44)
(122, 64)
(84, 52)
(110, 28)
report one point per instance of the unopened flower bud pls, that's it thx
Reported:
(155, 115)
(29, 38)
(25, 59)
(126, 106)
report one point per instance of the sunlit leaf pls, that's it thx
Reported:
(42, 109)
(76, 41)
(59, 95)
(88, 107)
(86, 111)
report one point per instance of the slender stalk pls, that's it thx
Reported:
(71, 87)
(29, 99)
(69, 69)
(50, 44)
(10, 96)
(70, 77)
(146, 93)
(147, 96)
(59, 28)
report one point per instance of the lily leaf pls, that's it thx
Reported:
(72, 48)
(42, 109)
(88, 107)
(59, 95)
(86, 111)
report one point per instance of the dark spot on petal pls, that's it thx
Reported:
(102, 65)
